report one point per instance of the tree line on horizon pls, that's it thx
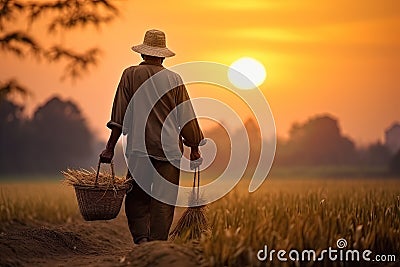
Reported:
(57, 136)
(318, 142)
(54, 138)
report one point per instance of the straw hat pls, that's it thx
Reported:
(153, 45)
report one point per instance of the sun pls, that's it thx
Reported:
(247, 73)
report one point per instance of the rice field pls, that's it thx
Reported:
(307, 214)
(284, 214)
(50, 202)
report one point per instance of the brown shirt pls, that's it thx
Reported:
(167, 106)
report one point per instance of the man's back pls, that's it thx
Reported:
(147, 95)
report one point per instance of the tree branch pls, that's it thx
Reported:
(73, 13)
(11, 87)
(62, 15)
(19, 43)
(81, 18)
(78, 63)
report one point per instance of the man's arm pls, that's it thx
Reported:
(108, 153)
(120, 104)
(190, 131)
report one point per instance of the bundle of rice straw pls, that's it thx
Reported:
(193, 222)
(83, 177)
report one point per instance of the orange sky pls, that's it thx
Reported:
(341, 57)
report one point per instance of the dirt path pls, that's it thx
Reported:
(86, 244)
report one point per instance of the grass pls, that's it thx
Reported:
(283, 214)
(304, 214)
(49, 202)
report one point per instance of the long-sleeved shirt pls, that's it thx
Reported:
(172, 110)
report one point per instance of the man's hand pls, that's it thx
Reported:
(107, 155)
(195, 158)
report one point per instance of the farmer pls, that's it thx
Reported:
(148, 218)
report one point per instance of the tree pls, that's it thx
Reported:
(62, 15)
(318, 141)
(376, 154)
(11, 124)
(55, 138)
(395, 164)
(60, 136)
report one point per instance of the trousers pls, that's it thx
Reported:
(148, 217)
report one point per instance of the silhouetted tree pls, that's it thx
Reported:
(395, 164)
(62, 138)
(319, 141)
(55, 138)
(223, 146)
(223, 142)
(376, 154)
(11, 131)
(254, 135)
(61, 16)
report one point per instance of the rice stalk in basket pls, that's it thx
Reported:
(83, 177)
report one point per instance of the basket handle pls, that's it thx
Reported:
(196, 175)
(98, 171)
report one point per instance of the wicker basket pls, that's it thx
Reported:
(100, 202)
